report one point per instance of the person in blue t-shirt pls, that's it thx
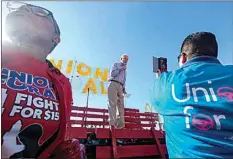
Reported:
(196, 101)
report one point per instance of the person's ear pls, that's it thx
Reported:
(183, 59)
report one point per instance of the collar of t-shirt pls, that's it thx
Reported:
(205, 59)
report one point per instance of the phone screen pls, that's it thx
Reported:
(162, 64)
(159, 63)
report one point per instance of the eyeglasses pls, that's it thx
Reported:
(39, 11)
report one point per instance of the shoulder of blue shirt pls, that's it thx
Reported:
(166, 77)
(195, 60)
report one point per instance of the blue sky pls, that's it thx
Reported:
(97, 33)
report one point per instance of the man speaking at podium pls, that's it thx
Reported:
(116, 91)
(196, 101)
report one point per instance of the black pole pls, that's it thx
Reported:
(88, 90)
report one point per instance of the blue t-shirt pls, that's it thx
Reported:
(196, 102)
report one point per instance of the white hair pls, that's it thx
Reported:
(124, 55)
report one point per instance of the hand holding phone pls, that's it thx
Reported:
(158, 73)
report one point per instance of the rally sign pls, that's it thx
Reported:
(94, 78)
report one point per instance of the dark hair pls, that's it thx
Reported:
(200, 44)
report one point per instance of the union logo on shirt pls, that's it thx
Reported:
(30, 112)
(226, 93)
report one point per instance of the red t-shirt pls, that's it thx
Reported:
(30, 109)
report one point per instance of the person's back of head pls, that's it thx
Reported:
(198, 44)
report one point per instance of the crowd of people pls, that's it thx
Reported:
(196, 100)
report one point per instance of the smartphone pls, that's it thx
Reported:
(159, 63)
(163, 64)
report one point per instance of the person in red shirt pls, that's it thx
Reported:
(36, 97)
